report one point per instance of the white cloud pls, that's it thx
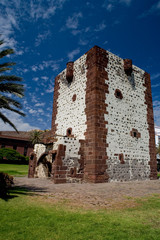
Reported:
(127, 2)
(156, 85)
(44, 78)
(90, 5)
(87, 29)
(34, 68)
(33, 97)
(154, 9)
(83, 42)
(72, 54)
(40, 119)
(41, 111)
(35, 79)
(20, 52)
(154, 76)
(105, 42)
(18, 121)
(8, 24)
(29, 10)
(54, 65)
(39, 104)
(36, 112)
(100, 27)
(76, 32)
(156, 110)
(41, 37)
(109, 7)
(111, 4)
(73, 22)
(45, 9)
(32, 111)
(50, 89)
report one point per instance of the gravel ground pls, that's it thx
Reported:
(88, 195)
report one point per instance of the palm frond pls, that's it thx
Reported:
(6, 120)
(7, 100)
(6, 66)
(16, 89)
(6, 52)
(36, 137)
(158, 149)
(5, 69)
(10, 78)
(7, 107)
(8, 85)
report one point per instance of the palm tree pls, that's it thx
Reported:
(36, 136)
(9, 86)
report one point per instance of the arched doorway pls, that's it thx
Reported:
(44, 167)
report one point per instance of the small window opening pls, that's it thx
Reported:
(121, 158)
(118, 94)
(69, 132)
(74, 97)
(134, 134)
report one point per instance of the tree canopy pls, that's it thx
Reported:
(36, 136)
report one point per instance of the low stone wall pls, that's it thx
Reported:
(67, 166)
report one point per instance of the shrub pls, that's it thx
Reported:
(12, 155)
(6, 182)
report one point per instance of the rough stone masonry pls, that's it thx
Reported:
(102, 123)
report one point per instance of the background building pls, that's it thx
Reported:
(18, 141)
(157, 135)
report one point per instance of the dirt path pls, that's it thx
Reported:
(105, 195)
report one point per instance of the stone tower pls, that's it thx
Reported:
(102, 123)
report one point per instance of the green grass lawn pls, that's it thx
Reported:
(25, 216)
(14, 169)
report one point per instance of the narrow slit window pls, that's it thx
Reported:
(134, 134)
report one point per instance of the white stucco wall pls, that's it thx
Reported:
(39, 149)
(72, 114)
(123, 115)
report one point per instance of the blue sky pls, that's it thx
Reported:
(46, 34)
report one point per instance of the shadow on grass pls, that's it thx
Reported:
(15, 191)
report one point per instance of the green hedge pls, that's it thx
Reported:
(9, 155)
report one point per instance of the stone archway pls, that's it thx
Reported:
(44, 167)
